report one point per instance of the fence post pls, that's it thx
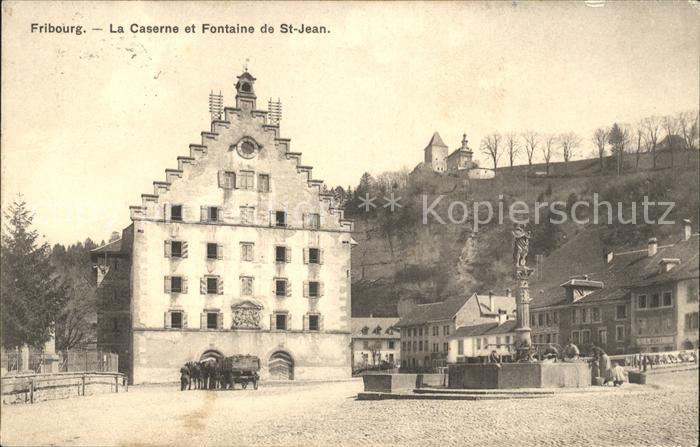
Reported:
(116, 384)
(83, 380)
(31, 390)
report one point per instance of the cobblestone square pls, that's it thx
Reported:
(664, 412)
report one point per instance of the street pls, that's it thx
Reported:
(664, 412)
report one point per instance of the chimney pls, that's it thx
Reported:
(491, 305)
(502, 316)
(686, 229)
(508, 292)
(652, 247)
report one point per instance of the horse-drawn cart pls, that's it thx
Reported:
(243, 369)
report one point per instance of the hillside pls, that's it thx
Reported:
(400, 258)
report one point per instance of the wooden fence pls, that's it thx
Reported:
(31, 388)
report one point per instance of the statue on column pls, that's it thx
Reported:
(521, 246)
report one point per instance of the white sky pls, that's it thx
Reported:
(90, 121)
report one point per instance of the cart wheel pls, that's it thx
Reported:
(244, 385)
(255, 384)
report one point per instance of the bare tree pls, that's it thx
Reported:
(548, 148)
(600, 138)
(490, 146)
(670, 127)
(512, 147)
(568, 142)
(618, 137)
(641, 144)
(652, 125)
(688, 127)
(531, 140)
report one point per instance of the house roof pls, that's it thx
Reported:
(500, 302)
(485, 329)
(627, 270)
(112, 247)
(384, 326)
(440, 311)
(436, 141)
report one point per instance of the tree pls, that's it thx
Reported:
(670, 126)
(688, 127)
(31, 295)
(490, 146)
(512, 147)
(531, 141)
(618, 139)
(651, 126)
(568, 142)
(600, 138)
(639, 132)
(547, 149)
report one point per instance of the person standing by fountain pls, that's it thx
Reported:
(571, 352)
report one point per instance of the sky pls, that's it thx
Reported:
(89, 121)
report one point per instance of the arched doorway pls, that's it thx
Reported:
(211, 354)
(281, 366)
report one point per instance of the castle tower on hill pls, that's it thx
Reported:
(237, 251)
(436, 159)
(436, 154)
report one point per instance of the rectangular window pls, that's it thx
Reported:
(246, 251)
(212, 320)
(420, 331)
(574, 337)
(436, 331)
(533, 320)
(555, 317)
(176, 284)
(391, 345)
(420, 345)
(478, 343)
(574, 316)
(246, 285)
(620, 312)
(507, 340)
(460, 347)
(314, 289)
(548, 319)
(212, 285)
(314, 256)
(548, 338)
(280, 219)
(619, 333)
(584, 315)
(212, 250)
(445, 330)
(312, 221)
(313, 322)
(445, 347)
(247, 215)
(668, 300)
(176, 320)
(691, 321)
(596, 314)
(365, 344)
(176, 249)
(246, 180)
(654, 300)
(280, 254)
(176, 213)
(415, 346)
(585, 337)
(281, 322)
(403, 345)
(263, 183)
(693, 295)
(227, 179)
(642, 301)
(498, 342)
(540, 319)
(281, 287)
(602, 336)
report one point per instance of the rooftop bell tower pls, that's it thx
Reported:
(245, 92)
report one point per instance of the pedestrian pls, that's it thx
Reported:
(493, 358)
(571, 351)
(604, 366)
(184, 378)
(618, 375)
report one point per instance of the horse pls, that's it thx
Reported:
(195, 370)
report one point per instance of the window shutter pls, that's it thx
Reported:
(272, 322)
(184, 284)
(202, 320)
(305, 220)
(306, 255)
(166, 212)
(306, 322)
(184, 320)
(203, 286)
(220, 285)
(272, 218)
(219, 251)
(320, 256)
(288, 254)
(220, 320)
(184, 249)
(222, 179)
(167, 248)
(203, 214)
(237, 181)
(274, 286)
(306, 289)
(288, 288)
(167, 284)
(320, 323)
(220, 214)
(166, 319)
(320, 289)
(289, 322)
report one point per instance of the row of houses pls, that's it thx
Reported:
(643, 300)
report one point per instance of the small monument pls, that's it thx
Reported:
(521, 246)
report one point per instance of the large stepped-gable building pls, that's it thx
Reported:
(237, 251)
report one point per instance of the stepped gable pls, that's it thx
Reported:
(222, 133)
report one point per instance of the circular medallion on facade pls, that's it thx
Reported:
(247, 147)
